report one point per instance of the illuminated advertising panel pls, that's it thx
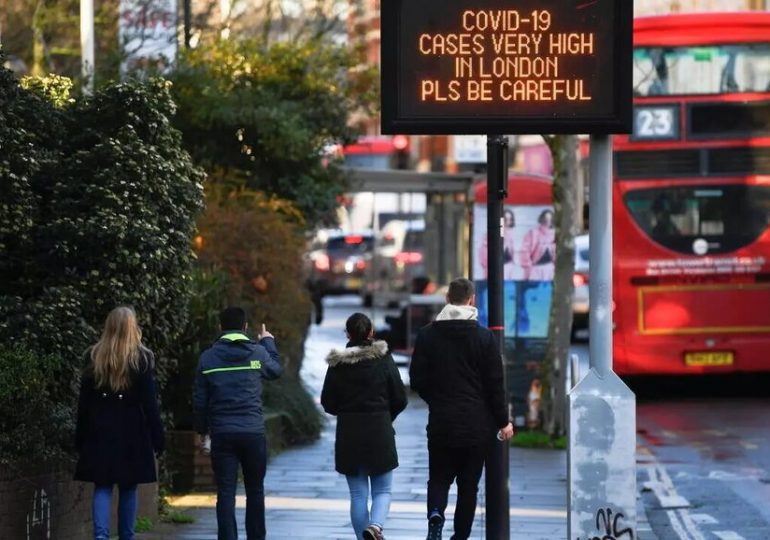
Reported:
(502, 66)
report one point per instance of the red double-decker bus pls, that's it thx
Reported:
(692, 199)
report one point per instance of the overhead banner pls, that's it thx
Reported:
(148, 34)
(492, 66)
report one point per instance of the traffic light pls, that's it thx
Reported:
(402, 152)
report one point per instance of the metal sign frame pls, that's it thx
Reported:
(394, 120)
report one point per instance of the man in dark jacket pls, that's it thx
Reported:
(228, 406)
(457, 369)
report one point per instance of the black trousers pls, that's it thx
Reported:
(447, 464)
(228, 451)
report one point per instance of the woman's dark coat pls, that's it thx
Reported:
(364, 390)
(119, 433)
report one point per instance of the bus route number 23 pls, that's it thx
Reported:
(656, 123)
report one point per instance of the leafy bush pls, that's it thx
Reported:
(302, 419)
(538, 439)
(30, 136)
(35, 414)
(258, 244)
(99, 211)
(208, 297)
(98, 203)
(53, 88)
(121, 216)
(268, 113)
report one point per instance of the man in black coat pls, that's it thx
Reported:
(227, 402)
(457, 369)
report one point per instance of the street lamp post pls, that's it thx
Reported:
(87, 44)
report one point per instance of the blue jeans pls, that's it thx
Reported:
(360, 516)
(102, 508)
(228, 451)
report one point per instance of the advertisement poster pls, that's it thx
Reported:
(148, 34)
(529, 254)
(529, 249)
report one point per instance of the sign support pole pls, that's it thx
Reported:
(496, 475)
(600, 253)
(602, 409)
(187, 7)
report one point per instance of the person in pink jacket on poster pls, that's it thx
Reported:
(511, 270)
(538, 250)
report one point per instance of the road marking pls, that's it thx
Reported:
(728, 535)
(660, 483)
(677, 526)
(714, 432)
(690, 525)
(704, 519)
(684, 525)
(748, 445)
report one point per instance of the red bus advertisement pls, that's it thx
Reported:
(692, 199)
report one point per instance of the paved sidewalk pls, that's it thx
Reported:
(307, 499)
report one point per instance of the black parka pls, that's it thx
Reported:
(118, 433)
(364, 390)
(456, 368)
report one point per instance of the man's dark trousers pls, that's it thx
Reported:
(445, 464)
(228, 450)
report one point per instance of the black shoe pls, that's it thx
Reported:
(373, 532)
(435, 526)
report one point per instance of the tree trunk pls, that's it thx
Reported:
(565, 187)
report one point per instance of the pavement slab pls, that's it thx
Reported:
(307, 499)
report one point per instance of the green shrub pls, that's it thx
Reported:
(208, 297)
(178, 518)
(98, 206)
(267, 113)
(538, 439)
(99, 210)
(35, 414)
(53, 88)
(121, 217)
(143, 524)
(257, 242)
(302, 419)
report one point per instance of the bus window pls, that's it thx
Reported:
(722, 69)
(727, 217)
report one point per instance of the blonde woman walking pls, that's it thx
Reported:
(119, 430)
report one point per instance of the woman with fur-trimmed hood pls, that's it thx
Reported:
(363, 389)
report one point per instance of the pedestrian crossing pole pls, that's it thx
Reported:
(496, 475)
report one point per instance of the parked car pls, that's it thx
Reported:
(580, 280)
(399, 259)
(338, 266)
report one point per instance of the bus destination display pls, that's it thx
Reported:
(497, 66)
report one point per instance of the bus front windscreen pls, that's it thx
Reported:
(701, 220)
(667, 71)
